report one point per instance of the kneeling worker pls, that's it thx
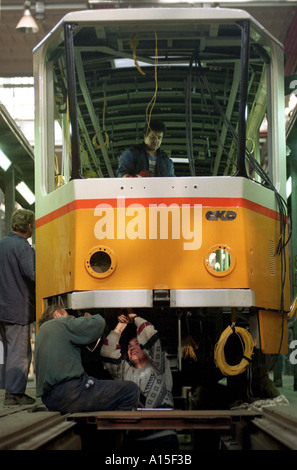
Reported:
(61, 381)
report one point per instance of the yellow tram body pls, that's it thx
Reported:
(243, 229)
(190, 241)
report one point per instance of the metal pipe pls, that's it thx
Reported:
(52, 6)
(72, 102)
(245, 49)
(179, 342)
(198, 3)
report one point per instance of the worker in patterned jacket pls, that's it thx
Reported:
(147, 366)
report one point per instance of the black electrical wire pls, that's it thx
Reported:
(203, 82)
(266, 181)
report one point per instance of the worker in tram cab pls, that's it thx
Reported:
(61, 381)
(146, 159)
(148, 367)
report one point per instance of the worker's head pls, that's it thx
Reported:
(153, 134)
(22, 222)
(51, 312)
(135, 354)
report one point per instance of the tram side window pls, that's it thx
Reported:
(58, 148)
(62, 127)
(59, 131)
(257, 124)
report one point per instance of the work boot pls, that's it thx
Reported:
(18, 399)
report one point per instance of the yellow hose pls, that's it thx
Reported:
(219, 354)
(293, 308)
(133, 45)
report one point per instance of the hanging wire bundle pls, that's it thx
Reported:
(293, 309)
(152, 103)
(248, 345)
(189, 344)
(266, 181)
(103, 131)
(133, 44)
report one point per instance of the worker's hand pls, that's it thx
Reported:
(123, 318)
(145, 174)
(87, 314)
(131, 314)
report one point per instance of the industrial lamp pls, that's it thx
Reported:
(26, 192)
(27, 24)
(4, 161)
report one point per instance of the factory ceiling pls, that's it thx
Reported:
(16, 48)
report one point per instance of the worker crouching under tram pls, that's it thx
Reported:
(61, 381)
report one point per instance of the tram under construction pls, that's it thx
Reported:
(202, 251)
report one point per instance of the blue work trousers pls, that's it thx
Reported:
(15, 357)
(89, 394)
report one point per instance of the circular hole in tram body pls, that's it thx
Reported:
(100, 261)
(220, 261)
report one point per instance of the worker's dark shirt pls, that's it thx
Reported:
(57, 349)
(135, 159)
(17, 280)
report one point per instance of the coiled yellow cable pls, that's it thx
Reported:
(248, 348)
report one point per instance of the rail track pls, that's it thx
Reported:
(35, 428)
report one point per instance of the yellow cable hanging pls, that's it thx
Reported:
(59, 179)
(103, 131)
(56, 165)
(249, 139)
(133, 44)
(293, 308)
(219, 355)
(106, 142)
(153, 100)
(189, 345)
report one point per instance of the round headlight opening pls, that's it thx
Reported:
(100, 262)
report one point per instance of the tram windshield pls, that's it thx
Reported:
(108, 80)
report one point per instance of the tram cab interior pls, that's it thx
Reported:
(215, 77)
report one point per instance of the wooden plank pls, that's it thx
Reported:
(163, 419)
(31, 430)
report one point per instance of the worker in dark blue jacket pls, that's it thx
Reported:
(146, 159)
(17, 307)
